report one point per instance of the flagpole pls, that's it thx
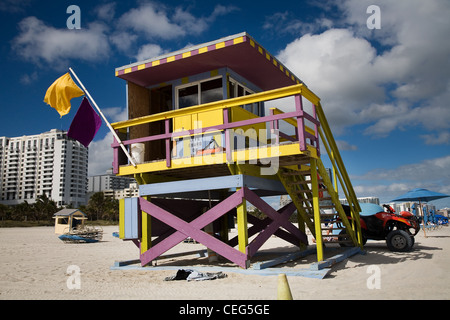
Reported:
(104, 118)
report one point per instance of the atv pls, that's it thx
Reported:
(377, 224)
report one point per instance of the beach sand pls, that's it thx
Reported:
(34, 265)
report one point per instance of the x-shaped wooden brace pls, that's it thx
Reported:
(193, 230)
(279, 219)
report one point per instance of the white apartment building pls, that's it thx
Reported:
(108, 181)
(374, 200)
(49, 163)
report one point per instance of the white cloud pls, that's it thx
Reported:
(100, 155)
(43, 44)
(440, 138)
(106, 11)
(427, 170)
(338, 67)
(404, 83)
(115, 114)
(149, 51)
(432, 174)
(344, 145)
(157, 21)
(152, 21)
(123, 40)
(14, 6)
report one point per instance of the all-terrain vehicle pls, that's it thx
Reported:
(377, 224)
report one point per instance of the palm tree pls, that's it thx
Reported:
(44, 207)
(22, 211)
(97, 205)
(5, 212)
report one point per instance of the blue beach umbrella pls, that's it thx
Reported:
(421, 195)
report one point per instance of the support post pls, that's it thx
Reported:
(316, 208)
(302, 228)
(242, 225)
(146, 232)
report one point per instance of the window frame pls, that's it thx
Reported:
(199, 92)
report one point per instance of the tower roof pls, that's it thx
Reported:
(240, 52)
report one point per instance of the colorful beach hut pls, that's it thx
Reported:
(214, 127)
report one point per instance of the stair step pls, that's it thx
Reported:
(303, 182)
(296, 173)
(327, 207)
(310, 191)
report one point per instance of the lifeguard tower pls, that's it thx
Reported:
(209, 124)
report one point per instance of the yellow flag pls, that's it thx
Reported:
(60, 93)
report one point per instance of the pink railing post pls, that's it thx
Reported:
(300, 123)
(274, 128)
(227, 135)
(167, 132)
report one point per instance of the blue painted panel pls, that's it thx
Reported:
(214, 183)
(191, 185)
(131, 218)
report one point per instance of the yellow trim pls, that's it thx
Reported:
(122, 218)
(141, 66)
(238, 40)
(220, 45)
(219, 158)
(203, 50)
(127, 70)
(186, 54)
(156, 63)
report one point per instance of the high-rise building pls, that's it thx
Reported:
(108, 181)
(49, 163)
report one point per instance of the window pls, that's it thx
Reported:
(188, 96)
(239, 90)
(199, 92)
(211, 90)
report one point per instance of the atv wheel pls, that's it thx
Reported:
(344, 241)
(399, 240)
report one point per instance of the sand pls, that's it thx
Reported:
(34, 264)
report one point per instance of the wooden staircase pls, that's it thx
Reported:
(311, 189)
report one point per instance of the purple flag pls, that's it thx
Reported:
(85, 124)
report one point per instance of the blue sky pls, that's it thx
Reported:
(386, 91)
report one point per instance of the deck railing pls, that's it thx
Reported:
(302, 136)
